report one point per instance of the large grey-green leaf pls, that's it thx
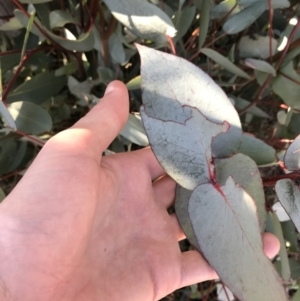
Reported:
(245, 18)
(183, 148)
(244, 172)
(175, 82)
(225, 223)
(30, 118)
(182, 197)
(38, 89)
(257, 150)
(286, 88)
(134, 131)
(224, 62)
(143, 19)
(292, 155)
(289, 196)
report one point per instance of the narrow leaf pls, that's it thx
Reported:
(116, 49)
(143, 19)
(183, 149)
(30, 118)
(260, 66)
(186, 18)
(244, 172)
(257, 150)
(175, 82)
(233, 244)
(204, 22)
(224, 62)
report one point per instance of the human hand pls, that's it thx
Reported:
(80, 227)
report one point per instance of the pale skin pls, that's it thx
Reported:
(80, 226)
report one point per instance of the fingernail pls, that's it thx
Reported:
(109, 88)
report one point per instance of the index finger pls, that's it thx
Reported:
(106, 119)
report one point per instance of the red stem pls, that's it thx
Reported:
(270, 30)
(271, 181)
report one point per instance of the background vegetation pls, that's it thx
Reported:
(57, 57)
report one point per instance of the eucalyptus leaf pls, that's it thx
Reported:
(116, 49)
(204, 22)
(30, 118)
(256, 46)
(34, 1)
(245, 18)
(134, 84)
(134, 131)
(260, 66)
(84, 43)
(8, 61)
(177, 83)
(38, 89)
(2, 195)
(244, 172)
(182, 197)
(224, 62)
(241, 104)
(223, 8)
(183, 149)
(289, 196)
(292, 155)
(186, 18)
(6, 116)
(229, 212)
(59, 18)
(143, 19)
(257, 150)
(290, 234)
(287, 87)
(12, 24)
(284, 261)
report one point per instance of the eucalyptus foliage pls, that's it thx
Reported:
(214, 89)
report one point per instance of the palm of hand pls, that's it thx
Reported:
(85, 228)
